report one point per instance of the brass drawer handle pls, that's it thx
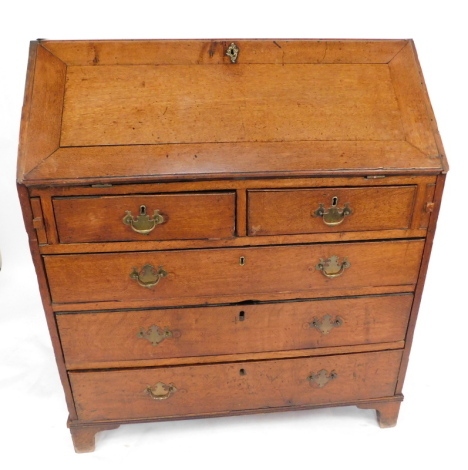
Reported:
(334, 215)
(148, 276)
(143, 223)
(160, 391)
(326, 324)
(155, 335)
(320, 379)
(331, 268)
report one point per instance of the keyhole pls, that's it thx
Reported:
(242, 260)
(242, 372)
(142, 210)
(334, 201)
(241, 316)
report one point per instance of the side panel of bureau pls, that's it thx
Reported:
(124, 394)
(103, 338)
(217, 272)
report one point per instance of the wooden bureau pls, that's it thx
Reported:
(228, 227)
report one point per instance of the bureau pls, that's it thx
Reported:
(228, 227)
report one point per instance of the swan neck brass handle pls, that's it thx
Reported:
(148, 276)
(321, 378)
(331, 267)
(160, 391)
(143, 223)
(326, 323)
(334, 215)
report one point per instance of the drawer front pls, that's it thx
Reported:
(204, 389)
(179, 216)
(98, 339)
(218, 272)
(285, 211)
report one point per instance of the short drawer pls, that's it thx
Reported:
(294, 211)
(105, 338)
(145, 217)
(216, 388)
(163, 275)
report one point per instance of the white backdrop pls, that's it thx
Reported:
(431, 427)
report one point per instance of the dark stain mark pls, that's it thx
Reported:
(143, 84)
(96, 56)
(276, 44)
(212, 48)
(195, 156)
(167, 156)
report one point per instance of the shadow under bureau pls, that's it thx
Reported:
(228, 227)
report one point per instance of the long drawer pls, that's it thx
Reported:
(105, 338)
(217, 272)
(184, 390)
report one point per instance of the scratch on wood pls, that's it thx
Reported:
(276, 44)
(165, 111)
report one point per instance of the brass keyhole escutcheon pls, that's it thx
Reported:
(232, 52)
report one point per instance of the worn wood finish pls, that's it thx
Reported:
(410, 93)
(84, 437)
(203, 273)
(231, 242)
(240, 357)
(231, 329)
(42, 116)
(422, 276)
(239, 155)
(227, 185)
(229, 299)
(209, 388)
(292, 211)
(186, 216)
(387, 412)
(45, 296)
(145, 163)
(121, 105)
(212, 51)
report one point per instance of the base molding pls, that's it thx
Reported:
(84, 432)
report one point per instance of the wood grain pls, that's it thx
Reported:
(292, 211)
(128, 105)
(42, 114)
(45, 296)
(221, 387)
(217, 272)
(147, 163)
(231, 329)
(186, 216)
(212, 51)
(409, 92)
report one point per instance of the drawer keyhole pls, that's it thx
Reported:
(242, 260)
(242, 372)
(334, 201)
(241, 316)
